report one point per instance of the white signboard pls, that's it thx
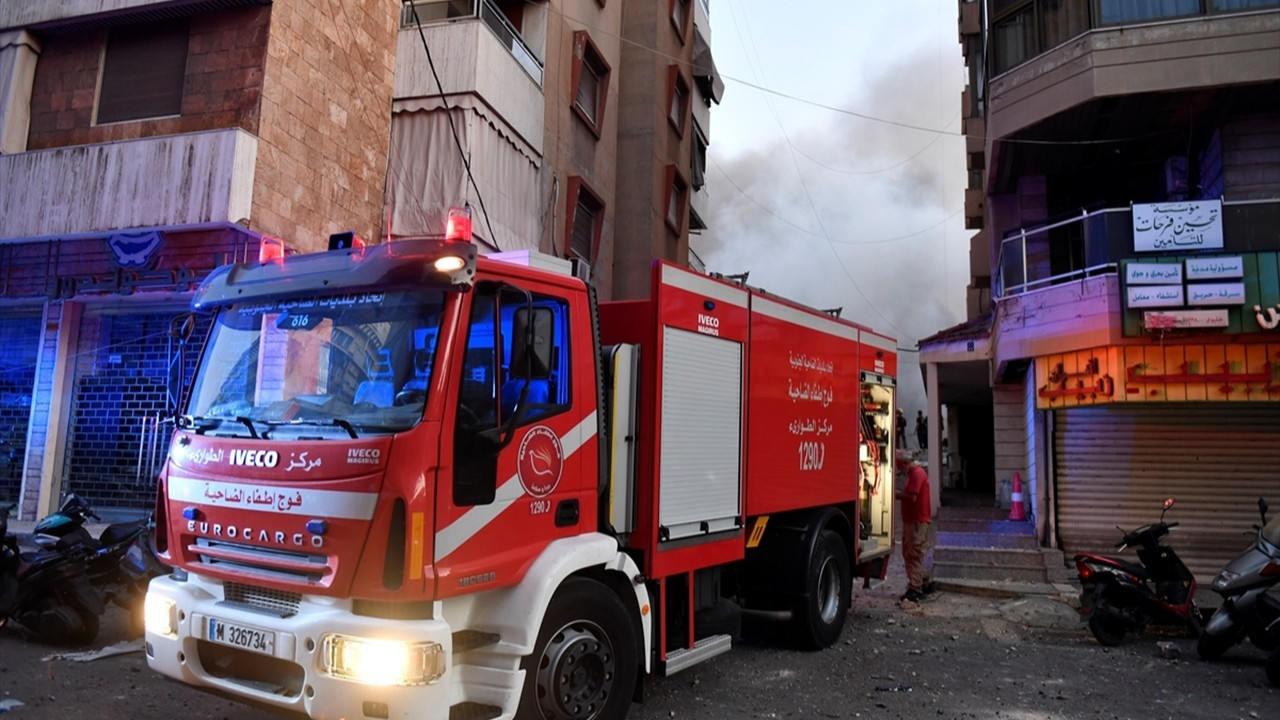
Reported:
(1215, 294)
(1215, 268)
(1155, 296)
(1136, 273)
(1172, 226)
(1183, 319)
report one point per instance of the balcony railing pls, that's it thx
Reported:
(437, 11)
(1096, 240)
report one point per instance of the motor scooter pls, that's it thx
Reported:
(122, 559)
(1119, 597)
(47, 591)
(1248, 609)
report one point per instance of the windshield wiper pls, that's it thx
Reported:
(200, 424)
(336, 422)
(253, 432)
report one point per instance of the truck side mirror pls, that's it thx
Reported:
(531, 336)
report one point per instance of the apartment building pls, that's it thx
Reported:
(144, 143)
(1124, 190)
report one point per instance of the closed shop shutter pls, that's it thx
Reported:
(19, 348)
(1115, 465)
(119, 430)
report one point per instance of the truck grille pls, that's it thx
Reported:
(276, 602)
(266, 562)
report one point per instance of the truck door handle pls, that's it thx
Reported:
(567, 513)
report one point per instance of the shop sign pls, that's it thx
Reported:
(1144, 296)
(1215, 268)
(1152, 273)
(1215, 294)
(1184, 319)
(1177, 226)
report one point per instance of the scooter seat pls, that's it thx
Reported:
(1133, 568)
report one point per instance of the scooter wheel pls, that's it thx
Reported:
(1273, 668)
(1108, 631)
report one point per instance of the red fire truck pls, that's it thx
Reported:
(412, 481)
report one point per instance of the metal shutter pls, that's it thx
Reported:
(1115, 464)
(700, 464)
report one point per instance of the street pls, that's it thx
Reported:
(956, 655)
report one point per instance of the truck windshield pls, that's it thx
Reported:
(357, 364)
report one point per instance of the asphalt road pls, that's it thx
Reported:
(953, 656)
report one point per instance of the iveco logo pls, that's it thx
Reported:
(255, 458)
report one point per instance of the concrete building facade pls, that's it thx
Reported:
(1124, 190)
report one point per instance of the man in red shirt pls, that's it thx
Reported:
(916, 514)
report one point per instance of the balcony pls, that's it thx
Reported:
(1057, 287)
(97, 13)
(1159, 55)
(476, 52)
(116, 185)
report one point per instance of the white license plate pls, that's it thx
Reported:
(242, 636)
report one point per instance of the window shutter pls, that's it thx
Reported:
(143, 72)
(584, 230)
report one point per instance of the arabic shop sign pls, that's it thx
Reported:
(1178, 293)
(1145, 296)
(1177, 226)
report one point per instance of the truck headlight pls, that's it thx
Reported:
(382, 662)
(160, 615)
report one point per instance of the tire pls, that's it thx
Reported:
(1107, 630)
(1273, 668)
(585, 663)
(1262, 640)
(819, 616)
(1218, 635)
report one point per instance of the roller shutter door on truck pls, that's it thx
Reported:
(1115, 465)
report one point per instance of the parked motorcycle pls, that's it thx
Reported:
(1273, 667)
(1119, 597)
(1247, 609)
(47, 591)
(122, 560)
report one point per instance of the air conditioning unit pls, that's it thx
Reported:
(581, 269)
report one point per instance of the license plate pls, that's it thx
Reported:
(242, 636)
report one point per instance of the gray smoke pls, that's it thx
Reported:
(854, 213)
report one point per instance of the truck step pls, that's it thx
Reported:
(474, 711)
(704, 649)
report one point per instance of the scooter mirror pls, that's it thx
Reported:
(1262, 509)
(1168, 503)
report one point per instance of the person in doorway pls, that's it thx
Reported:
(902, 428)
(917, 514)
(922, 430)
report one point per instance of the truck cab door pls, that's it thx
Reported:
(513, 480)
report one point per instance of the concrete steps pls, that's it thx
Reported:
(983, 544)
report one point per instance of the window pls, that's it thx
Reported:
(431, 11)
(677, 199)
(1015, 39)
(678, 101)
(590, 82)
(1128, 11)
(698, 161)
(586, 217)
(143, 72)
(680, 17)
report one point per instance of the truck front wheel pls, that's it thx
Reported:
(820, 614)
(585, 662)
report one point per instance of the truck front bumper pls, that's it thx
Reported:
(315, 657)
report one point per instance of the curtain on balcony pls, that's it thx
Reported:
(426, 175)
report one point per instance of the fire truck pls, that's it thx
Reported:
(414, 481)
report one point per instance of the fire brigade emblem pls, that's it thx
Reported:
(540, 461)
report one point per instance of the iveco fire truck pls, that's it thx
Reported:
(412, 481)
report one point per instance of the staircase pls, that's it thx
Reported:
(981, 544)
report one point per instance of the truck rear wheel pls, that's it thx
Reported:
(820, 614)
(585, 662)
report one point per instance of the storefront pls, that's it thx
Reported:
(1186, 406)
(85, 359)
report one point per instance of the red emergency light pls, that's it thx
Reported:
(459, 227)
(271, 249)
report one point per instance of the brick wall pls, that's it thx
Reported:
(222, 86)
(326, 119)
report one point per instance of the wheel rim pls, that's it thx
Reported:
(829, 591)
(576, 673)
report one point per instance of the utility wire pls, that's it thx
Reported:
(466, 161)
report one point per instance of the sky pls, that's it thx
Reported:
(836, 168)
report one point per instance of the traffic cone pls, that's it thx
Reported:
(1016, 511)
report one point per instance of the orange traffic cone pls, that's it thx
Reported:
(1016, 511)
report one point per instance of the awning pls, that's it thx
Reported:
(704, 69)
